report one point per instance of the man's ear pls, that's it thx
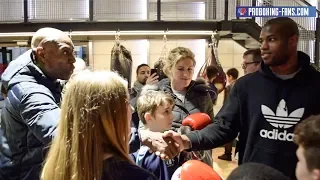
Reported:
(147, 116)
(315, 174)
(40, 54)
(294, 40)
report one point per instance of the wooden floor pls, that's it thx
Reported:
(220, 166)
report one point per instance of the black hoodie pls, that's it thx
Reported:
(265, 109)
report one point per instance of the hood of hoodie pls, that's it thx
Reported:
(303, 61)
(23, 69)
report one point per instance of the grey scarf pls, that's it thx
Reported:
(137, 86)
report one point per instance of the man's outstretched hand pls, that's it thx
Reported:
(182, 140)
(166, 145)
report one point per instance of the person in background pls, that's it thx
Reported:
(143, 77)
(307, 137)
(211, 74)
(93, 132)
(232, 76)
(251, 60)
(4, 92)
(31, 111)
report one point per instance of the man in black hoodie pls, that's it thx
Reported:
(263, 107)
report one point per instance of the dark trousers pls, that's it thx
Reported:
(228, 148)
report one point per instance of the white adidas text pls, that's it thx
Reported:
(280, 119)
(276, 135)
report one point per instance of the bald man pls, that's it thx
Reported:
(31, 111)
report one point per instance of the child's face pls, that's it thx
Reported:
(302, 171)
(162, 118)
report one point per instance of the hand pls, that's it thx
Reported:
(165, 147)
(153, 79)
(182, 140)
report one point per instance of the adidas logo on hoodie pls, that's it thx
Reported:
(280, 121)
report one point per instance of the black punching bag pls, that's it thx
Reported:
(160, 63)
(121, 62)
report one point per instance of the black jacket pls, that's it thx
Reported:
(29, 118)
(265, 110)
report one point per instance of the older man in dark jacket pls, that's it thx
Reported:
(31, 111)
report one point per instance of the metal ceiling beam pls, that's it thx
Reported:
(114, 26)
(227, 27)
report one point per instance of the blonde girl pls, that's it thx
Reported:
(93, 131)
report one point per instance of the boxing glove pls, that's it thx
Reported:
(194, 169)
(197, 121)
(177, 174)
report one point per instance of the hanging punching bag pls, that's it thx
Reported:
(221, 79)
(160, 63)
(121, 62)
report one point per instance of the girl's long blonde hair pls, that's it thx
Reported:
(93, 121)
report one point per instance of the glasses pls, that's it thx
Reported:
(244, 65)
